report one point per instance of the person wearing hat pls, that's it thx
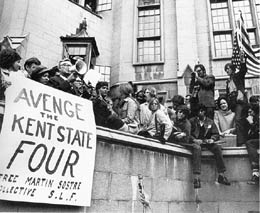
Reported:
(9, 62)
(41, 74)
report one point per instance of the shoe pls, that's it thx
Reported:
(196, 183)
(254, 180)
(223, 180)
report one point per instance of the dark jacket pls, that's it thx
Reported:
(103, 116)
(211, 131)
(183, 126)
(206, 90)
(239, 81)
(253, 132)
(59, 83)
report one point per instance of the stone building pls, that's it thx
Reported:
(149, 42)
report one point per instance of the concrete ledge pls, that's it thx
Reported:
(124, 138)
(128, 139)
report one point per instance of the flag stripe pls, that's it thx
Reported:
(242, 38)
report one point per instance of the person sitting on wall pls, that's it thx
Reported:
(140, 97)
(252, 143)
(177, 100)
(104, 115)
(224, 118)
(159, 126)
(9, 63)
(31, 64)
(182, 127)
(204, 134)
(202, 90)
(65, 79)
(145, 113)
(129, 110)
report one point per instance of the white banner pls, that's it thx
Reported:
(48, 146)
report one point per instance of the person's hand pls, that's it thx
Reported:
(181, 135)
(72, 77)
(227, 132)
(197, 141)
(210, 141)
(250, 119)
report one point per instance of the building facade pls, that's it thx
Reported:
(149, 42)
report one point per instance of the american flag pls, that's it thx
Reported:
(242, 44)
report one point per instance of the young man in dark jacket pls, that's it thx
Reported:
(202, 87)
(204, 133)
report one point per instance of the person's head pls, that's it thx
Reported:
(125, 90)
(102, 88)
(177, 100)
(10, 59)
(253, 110)
(222, 104)
(154, 104)
(134, 87)
(31, 64)
(201, 112)
(149, 93)
(64, 67)
(187, 99)
(182, 112)
(140, 96)
(254, 99)
(41, 74)
(230, 69)
(200, 70)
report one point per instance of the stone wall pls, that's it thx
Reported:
(166, 169)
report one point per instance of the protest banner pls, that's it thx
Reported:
(48, 146)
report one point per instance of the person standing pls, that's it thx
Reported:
(9, 63)
(235, 90)
(202, 89)
(65, 79)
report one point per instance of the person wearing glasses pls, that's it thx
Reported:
(64, 80)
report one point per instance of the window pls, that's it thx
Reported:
(149, 31)
(104, 5)
(149, 23)
(148, 2)
(104, 71)
(258, 9)
(223, 23)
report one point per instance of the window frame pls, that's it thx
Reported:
(109, 2)
(233, 27)
(139, 38)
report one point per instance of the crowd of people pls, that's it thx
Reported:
(195, 121)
